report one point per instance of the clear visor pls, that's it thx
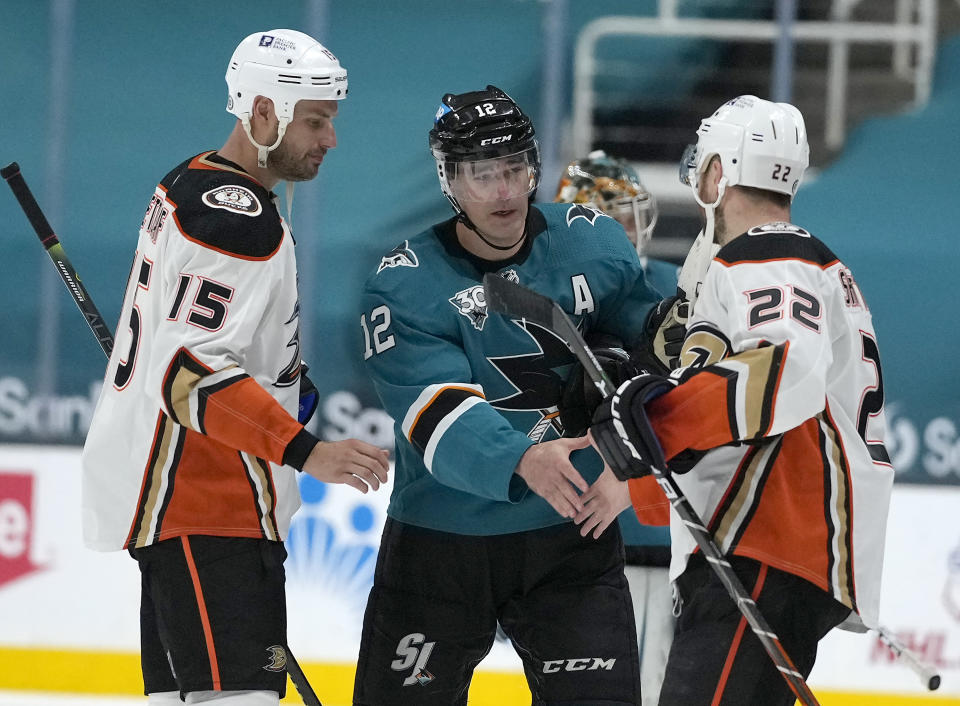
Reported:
(688, 166)
(497, 179)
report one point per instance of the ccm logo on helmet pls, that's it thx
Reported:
(578, 665)
(496, 140)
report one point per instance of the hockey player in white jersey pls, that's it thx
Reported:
(189, 461)
(773, 425)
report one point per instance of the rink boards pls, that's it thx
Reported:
(69, 616)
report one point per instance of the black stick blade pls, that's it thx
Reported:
(512, 299)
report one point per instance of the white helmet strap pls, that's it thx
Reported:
(262, 150)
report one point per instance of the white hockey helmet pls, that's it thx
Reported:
(285, 66)
(760, 144)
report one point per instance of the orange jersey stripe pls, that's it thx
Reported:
(649, 502)
(737, 638)
(204, 617)
(245, 416)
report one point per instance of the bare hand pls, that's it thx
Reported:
(606, 498)
(548, 472)
(353, 462)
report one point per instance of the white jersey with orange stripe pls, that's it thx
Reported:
(197, 414)
(783, 391)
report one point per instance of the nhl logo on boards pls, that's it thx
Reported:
(233, 198)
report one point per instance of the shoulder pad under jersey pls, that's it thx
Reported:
(776, 241)
(223, 209)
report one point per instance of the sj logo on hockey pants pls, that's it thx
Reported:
(414, 652)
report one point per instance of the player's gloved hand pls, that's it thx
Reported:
(621, 429)
(579, 397)
(664, 331)
(309, 397)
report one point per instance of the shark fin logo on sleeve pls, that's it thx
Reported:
(587, 213)
(400, 256)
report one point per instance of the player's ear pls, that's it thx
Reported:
(262, 110)
(715, 169)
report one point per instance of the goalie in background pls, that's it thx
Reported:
(613, 186)
(773, 426)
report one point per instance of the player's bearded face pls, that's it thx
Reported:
(306, 141)
(291, 164)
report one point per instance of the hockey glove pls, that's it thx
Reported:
(579, 397)
(622, 430)
(309, 397)
(664, 331)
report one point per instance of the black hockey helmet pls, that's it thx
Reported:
(480, 125)
(477, 126)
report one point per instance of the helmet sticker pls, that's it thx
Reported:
(233, 198)
(269, 40)
(441, 111)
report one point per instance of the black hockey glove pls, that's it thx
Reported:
(309, 397)
(622, 431)
(664, 331)
(579, 397)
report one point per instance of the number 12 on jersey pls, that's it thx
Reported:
(380, 319)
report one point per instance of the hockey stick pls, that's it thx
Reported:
(516, 300)
(928, 674)
(11, 173)
(299, 680)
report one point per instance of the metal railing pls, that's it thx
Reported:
(912, 36)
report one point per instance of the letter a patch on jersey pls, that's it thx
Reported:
(587, 213)
(233, 198)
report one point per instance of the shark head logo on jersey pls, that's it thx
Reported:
(537, 378)
(400, 256)
(587, 213)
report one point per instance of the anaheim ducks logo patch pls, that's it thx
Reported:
(233, 198)
(278, 659)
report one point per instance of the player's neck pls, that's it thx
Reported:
(740, 215)
(474, 244)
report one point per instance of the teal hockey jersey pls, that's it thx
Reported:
(470, 390)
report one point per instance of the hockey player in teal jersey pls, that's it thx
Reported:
(612, 185)
(478, 526)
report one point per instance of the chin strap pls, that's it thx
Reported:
(263, 151)
(465, 219)
(701, 253)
